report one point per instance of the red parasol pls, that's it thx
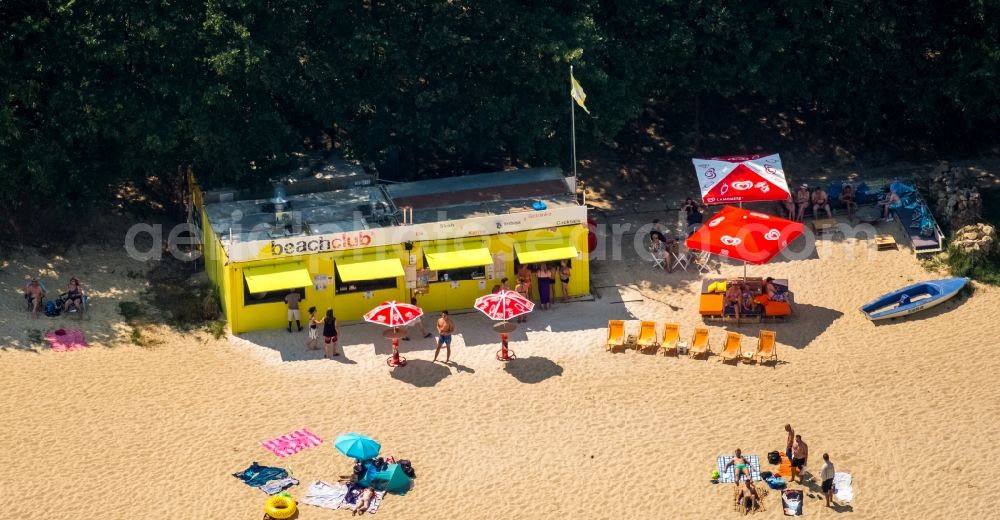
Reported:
(502, 306)
(741, 178)
(394, 314)
(744, 235)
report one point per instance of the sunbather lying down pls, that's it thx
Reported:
(364, 501)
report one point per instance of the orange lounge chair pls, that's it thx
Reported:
(711, 305)
(671, 333)
(732, 351)
(699, 343)
(766, 347)
(616, 335)
(647, 337)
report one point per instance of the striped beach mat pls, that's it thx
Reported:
(729, 475)
(292, 443)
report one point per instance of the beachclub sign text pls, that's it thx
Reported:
(442, 230)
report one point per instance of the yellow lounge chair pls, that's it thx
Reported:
(732, 350)
(647, 337)
(766, 347)
(671, 333)
(699, 343)
(616, 335)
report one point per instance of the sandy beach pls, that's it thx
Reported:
(567, 430)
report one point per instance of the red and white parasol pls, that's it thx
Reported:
(741, 178)
(504, 305)
(745, 235)
(394, 314)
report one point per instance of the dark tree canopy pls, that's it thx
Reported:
(100, 93)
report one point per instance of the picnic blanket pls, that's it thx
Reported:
(729, 475)
(322, 494)
(66, 340)
(791, 502)
(256, 475)
(842, 483)
(292, 443)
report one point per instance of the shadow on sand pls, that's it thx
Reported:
(531, 370)
(793, 333)
(421, 373)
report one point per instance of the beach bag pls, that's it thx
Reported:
(775, 482)
(773, 458)
(52, 308)
(407, 468)
(764, 475)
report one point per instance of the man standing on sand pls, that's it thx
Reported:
(826, 477)
(791, 440)
(292, 300)
(800, 455)
(445, 328)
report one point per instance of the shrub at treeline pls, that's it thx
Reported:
(100, 92)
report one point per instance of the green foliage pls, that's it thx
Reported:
(217, 328)
(131, 311)
(97, 94)
(981, 268)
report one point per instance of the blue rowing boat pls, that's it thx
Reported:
(913, 298)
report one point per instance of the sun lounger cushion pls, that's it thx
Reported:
(775, 308)
(716, 288)
(710, 305)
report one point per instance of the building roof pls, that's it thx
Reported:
(366, 207)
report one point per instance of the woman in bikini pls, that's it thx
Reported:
(564, 278)
(74, 296)
(524, 278)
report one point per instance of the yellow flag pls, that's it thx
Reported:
(577, 93)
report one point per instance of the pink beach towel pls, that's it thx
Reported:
(292, 443)
(66, 340)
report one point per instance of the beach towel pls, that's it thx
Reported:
(376, 502)
(729, 475)
(292, 443)
(791, 502)
(66, 340)
(277, 486)
(354, 492)
(256, 475)
(322, 494)
(845, 491)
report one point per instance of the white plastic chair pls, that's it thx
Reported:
(702, 260)
(657, 257)
(682, 258)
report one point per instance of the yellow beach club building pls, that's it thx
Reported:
(445, 241)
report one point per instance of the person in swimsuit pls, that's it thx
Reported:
(445, 328)
(741, 467)
(747, 497)
(733, 297)
(801, 202)
(826, 474)
(522, 289)
(790, 441)
(313, 342)
(364, 501)
(418, 323)
(847, 199)
(800, 455)
(890, 198)
(564, 271)
(330, 335)
(74, 296)
(34, 293)
(544, 287)
(821, 201)
(524, 277)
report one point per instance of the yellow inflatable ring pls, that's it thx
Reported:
(279, 507)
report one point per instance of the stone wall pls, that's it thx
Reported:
(953, 196)
(976, 240)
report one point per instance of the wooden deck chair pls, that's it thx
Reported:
(671, 334)
(766, 347)
(616, 335)
(732, 350)
(699, 343)
(647, 337)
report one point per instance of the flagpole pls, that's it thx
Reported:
(572, 119)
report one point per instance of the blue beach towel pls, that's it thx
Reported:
(257, 475)
(729, 475)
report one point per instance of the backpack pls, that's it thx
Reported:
(52, 309)
(773, 457)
